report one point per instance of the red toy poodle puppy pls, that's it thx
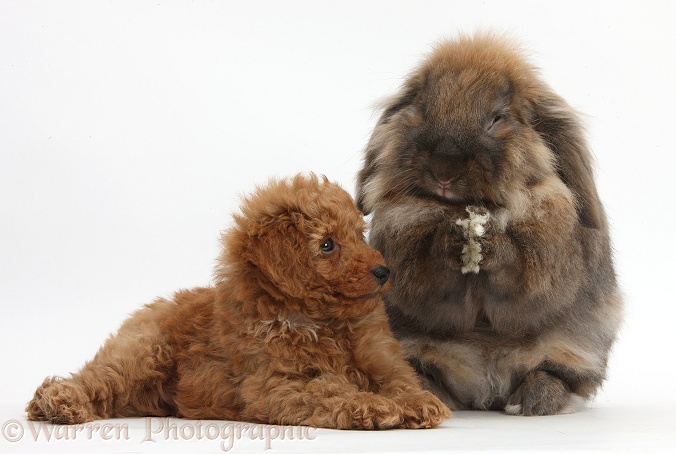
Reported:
(294, 331)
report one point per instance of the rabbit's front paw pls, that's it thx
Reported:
(540, 394)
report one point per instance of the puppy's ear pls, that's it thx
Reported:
(558, 125)
(279, 254)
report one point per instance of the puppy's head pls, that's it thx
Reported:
(301, 243)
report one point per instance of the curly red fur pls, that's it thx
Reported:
(294, 331)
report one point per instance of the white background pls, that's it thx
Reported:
(129, 130)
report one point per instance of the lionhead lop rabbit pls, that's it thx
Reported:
(484, 206)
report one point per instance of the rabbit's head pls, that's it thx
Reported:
(475, 125)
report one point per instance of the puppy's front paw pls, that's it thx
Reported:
(368, 411)
(540, 394)
(423, 410)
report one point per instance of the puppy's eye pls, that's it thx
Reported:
(327, 246)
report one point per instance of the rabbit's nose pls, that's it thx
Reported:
(381, 273)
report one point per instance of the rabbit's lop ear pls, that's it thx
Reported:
(558, 125)
(366, 175)
(385, 134)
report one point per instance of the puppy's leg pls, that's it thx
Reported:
(359, 410)
(61, 401)
(421, 409)
(108, 386)
(395, 379)
(127, 377)
(328, 401)
(380, 357)
(384, 400)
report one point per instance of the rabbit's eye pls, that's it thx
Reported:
(497, 118)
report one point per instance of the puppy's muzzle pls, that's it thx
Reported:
(381, 273)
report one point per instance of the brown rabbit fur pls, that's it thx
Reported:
(474, 128)
(293, 332)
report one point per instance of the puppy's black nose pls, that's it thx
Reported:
(381, 273)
